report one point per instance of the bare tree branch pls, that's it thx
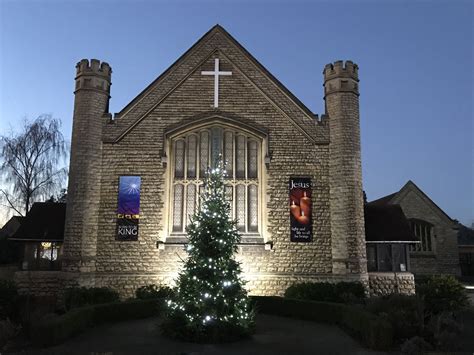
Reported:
(10, 204)
(29, 162)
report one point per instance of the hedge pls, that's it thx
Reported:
(373, 331)
(340, 292)
(53, 330)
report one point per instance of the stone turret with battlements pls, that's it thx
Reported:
(91, 105)
(341, 95)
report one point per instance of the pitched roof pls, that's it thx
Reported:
(44, 222)
(410, 185)
(383, 200)
(172, 78)
(387, 223)
(465, 236)
(11, 226)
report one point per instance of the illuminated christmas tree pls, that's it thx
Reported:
(210, 304)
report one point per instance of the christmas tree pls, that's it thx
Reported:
(210, 303)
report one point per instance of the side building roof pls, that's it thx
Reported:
(387, 223)
(395, 197)
(465, 236)
(44, 222)
(11, 226)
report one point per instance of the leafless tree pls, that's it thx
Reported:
(30, 163)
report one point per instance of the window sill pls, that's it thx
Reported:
(181, 241)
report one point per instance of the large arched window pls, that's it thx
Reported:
(192, 152)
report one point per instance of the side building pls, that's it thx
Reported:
(437, 251)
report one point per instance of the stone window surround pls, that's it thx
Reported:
(432, 235)
(260, 238)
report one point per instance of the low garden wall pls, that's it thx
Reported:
(387, 283)
(38, 283)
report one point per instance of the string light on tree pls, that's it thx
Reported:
(210, 299)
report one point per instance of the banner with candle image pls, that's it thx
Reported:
(300, 210)
(128, 211)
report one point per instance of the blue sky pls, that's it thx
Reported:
(415, 59)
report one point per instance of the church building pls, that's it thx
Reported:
(294, 178)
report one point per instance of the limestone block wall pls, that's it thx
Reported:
(444, 259)
(91, 102)
(341, 91)
(291, 152)
(386, 283)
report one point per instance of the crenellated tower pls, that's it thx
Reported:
(341, 95)
(91, 105)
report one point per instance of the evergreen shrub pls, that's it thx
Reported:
(55, 329)
(8, 298)
(442, 293)
(405, 314)
(153, 291)
(210, 303)
(82, 296)
(373, 331)
(342, 292)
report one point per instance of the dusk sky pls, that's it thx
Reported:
(415, 59)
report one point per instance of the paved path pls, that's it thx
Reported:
(275, 335)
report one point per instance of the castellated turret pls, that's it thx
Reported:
(341, 95)
(91, 105)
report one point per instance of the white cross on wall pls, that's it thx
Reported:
(216, 74)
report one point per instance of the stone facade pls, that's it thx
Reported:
(135, 142)
(386, 283)
(444, 257)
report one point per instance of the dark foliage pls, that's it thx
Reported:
(217, 332)
(373, 331)
(8, 299)
(415, 346)
(442, 293)
(9, 251)
(342, 292)
(405, 313)
(55, 329)
(82, 296)
(153, 291)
